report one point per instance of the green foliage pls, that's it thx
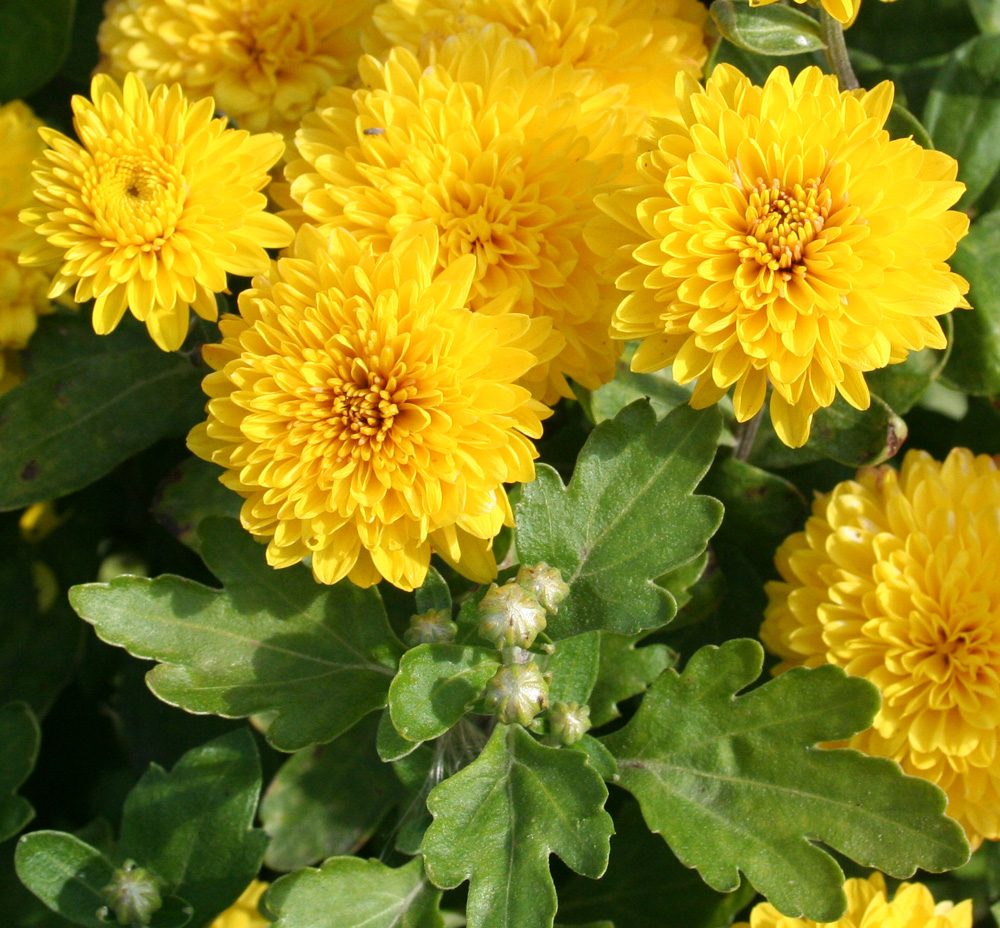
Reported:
(20, 736)
(497, 821)
(34, 41)
(318, 658)
(350, 893)
(769, 30)
(624, 670)
(857, 437)
(627, 517)
(734, 782)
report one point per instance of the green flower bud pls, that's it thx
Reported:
(510, 616)
(430, 627)
(517, 693)
(133, 895)
(545, 583)
(568, 722)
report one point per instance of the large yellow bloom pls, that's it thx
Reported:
(779, 236)
(23, 291)
(868, 906)
(641, 43)
(245, 911)
(366, 415)
(152, 210)
(895, 579)
(265, 62)
(503, 156)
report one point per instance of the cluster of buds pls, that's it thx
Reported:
(133, 896)
(432, 627)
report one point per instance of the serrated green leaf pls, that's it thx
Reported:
(69, 876)
(624, 671)
(646, 886)
(769, 30)
(327, 800)
(436, 685)
(628, 516)
(34, 41)
(662, 391)
(20, 737)
(974, 365)
(574, 665)
(735, 782)
(857, 437)
(963, 113)
(319, 658)
(193, 825)
(600, 758)
(347, 892)
(64, 428)
(497, 820)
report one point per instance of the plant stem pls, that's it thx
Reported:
(746, 433)
(836, 51)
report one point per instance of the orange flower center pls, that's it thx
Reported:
(782, 222)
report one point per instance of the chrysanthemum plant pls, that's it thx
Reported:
(447, 427)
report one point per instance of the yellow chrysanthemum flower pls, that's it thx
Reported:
(641, 43)
(780, 236)
(22, 290)
(895, 579)
(153, 209)
(265, 62)
(503, 156)
(868, 906)
(245, 911)
(844, 11)
(366, 415)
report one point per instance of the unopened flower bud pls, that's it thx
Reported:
(545, 583)
(430, 627)
(568, 722)
(133, 895)
(510, 616)
(516, 655)
(517, 693)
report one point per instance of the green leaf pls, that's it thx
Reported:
(436, 685)
(68, 875)
(192, 493)
(319, 658)
(963, 113)
(902, 385)
(662, 391)
(497, 820)
(624, 671)
(902, 124)
(736, 783)
(768, 30)
(574, 666)
(64, 428)
(646, 886)
(34, 41)
(20, 737)
(327, 800)
(987, 15)
(193, 826)
(433, 593)
(974, 365)
(347, 892)
(857, 437)
(627, 517)
(389, 743)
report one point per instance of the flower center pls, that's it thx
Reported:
(362, 410)
(782, 222)
(482, 221)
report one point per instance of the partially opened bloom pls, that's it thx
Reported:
(780, 237)
(152, 210)
(23, 290)
(844, 11)
(643, 44)
(265, 62)
(502, 156)
(895, 579)
(245, 911)
(869, 906)
(366, 415)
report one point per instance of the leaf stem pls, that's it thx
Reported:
(746, 433)
(836, 51)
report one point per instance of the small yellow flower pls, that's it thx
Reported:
(779, 236)
(895, 579)
(153, 209)
(868, 906)
(643, 44)
(265, 62)
(23, 291)
(503, 156)
(366, 415)
(844, 11)
(244, 912)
